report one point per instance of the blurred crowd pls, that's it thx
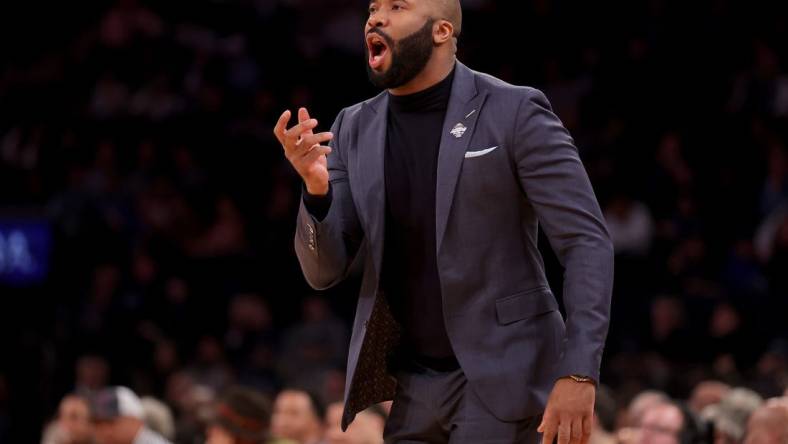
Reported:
(239, 415)
(142, 133)
(714, 413)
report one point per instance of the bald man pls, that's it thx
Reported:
(436, 187)
(768, 424)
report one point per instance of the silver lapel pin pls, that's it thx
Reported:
(458, 130)
(470, 113)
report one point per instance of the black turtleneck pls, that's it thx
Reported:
(410, 271)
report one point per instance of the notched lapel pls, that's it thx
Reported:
(464, 108)
(370, 171)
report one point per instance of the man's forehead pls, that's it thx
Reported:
(391, 1)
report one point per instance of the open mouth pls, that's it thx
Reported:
(377, 49)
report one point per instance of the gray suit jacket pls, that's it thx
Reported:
(514, 166)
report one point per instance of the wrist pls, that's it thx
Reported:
(317, 189)
(580, 379)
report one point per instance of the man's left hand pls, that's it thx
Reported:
(569, 413)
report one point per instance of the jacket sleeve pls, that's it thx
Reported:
(556, 184)
(327, 247)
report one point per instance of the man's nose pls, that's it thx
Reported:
(377, 20)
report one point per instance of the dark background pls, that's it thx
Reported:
(140, 133)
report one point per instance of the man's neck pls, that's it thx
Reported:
(435, 71)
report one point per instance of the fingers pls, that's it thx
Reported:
(307, 140)
(547, 428)
(295, 132)
(576, 431)
(303, 116)
(281, 125)
(306, 143)
(315, 152)
(564, 432)
(588, 427)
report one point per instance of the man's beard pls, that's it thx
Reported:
(409, 56)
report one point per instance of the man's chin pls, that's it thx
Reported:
(379, 77)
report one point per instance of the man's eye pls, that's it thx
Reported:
(371, 10)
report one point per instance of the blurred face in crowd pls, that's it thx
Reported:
(661, 424)
(768, 425)
(218, 435)
(295, 418)
(367, 428)
(92, 372)
(400, 38)
(74, 419)
(117, 431)
(707, 393)
(641, 404)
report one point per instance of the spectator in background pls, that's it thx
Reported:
(242, 416)
(73, 423)
(314, 346)
(367, 428)
(117, 416)
(193, 404)
(605, 410)
(775, 186)
(768, 424)
(639, 405)
(298, 416)
(630, 225)
(707, 393)
(92, 374)
(158, 417)
(729, 417)
(669, 423)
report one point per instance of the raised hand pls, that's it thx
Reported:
(304, 149)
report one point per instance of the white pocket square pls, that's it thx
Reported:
(469, 154)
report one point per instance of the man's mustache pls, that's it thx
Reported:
(386, 37)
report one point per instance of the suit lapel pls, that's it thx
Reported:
(371, 154)
(464, 107)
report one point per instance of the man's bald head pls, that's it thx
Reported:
(449, 10)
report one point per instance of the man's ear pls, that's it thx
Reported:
(443, 31)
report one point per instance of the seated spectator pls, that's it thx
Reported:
(117, 416)
(72, 425)
(298, 416)
(367, 428)
(604, 422)
(729, 417)
(630, 432)
(158, 417)
(769, 424)
(242, 416)
(669, 423)
(707, 393)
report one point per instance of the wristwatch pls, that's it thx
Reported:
(581, 378)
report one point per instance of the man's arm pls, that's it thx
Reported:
(328, 233)
(556, 184)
